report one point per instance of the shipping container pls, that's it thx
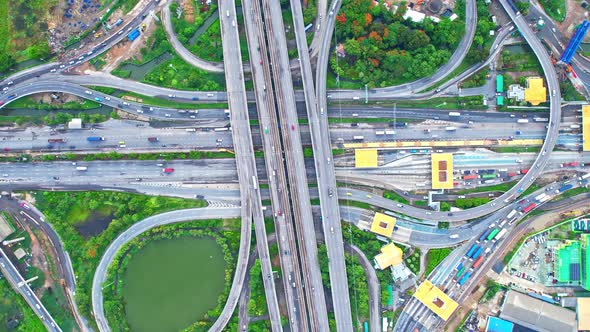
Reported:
(492, 234)
(529, 208)
(501, 234)
(464, 279)
(564, 188)
(485, 234)
(478, 262)
(471, 250)
(477, 253)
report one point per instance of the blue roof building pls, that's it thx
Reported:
(496, 324)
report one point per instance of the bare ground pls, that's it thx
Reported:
(127, 50)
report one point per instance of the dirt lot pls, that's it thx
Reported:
(127, 50)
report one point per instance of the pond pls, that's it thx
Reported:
(170, 284)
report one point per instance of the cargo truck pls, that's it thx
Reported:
(471, 250)
(484, 235)
(501, 234)
(564, 188)
(81, 168)
(56, 140)
(529, 208)
(477, 263)
(153, 139)
(464, 279)
(477, 253)
(451, 128)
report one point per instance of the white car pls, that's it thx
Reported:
(167, 115)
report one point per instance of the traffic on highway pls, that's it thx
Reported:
(411, 197)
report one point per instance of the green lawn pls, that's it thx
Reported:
(434, 257)
(174, 104)
(28, 102)
(394, 197)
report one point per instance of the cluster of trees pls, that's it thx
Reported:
(62, 118)
(466, 203)
(27, 24)
(384, 49)
(16, 310)
(257, 303)
(184, 29)
(482, 40)
(178, 74)
(126, 208)
(554, 8)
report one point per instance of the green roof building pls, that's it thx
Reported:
(499, 83)
(585, 239)
(568, 263)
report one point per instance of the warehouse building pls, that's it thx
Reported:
(538, 315)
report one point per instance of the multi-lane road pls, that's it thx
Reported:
(18, 283)
(247, 171)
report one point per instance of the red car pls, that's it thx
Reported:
(168, 170)
(293, 127)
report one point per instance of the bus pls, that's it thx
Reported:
(309, 26)
(454, 114)
(358, 138)
(489, 176)
(492, 234)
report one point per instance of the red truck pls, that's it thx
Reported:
(570, 164)
(477, 262)
(168, 170)
(470, 177)
(511, 174)
(524, 171)
(529, 208)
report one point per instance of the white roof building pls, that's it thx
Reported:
(515, 91)
(76, 123)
